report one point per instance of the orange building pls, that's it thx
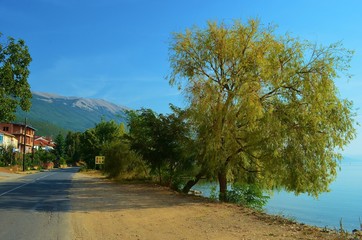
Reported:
(21, 132)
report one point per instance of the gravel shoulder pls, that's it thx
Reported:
(102, 209)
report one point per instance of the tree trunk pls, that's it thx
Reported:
(222, 185)
(159, 174)
(192, 183)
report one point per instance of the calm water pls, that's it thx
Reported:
(344, 201)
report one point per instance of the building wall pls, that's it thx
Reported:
(6, 127)
(8, 140)
(18, 130)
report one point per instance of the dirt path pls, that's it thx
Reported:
(105, 210)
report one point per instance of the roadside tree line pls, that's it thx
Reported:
(262, 111)
(151, 146)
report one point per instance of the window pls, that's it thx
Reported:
(6, 129)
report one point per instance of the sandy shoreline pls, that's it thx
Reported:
(102, 209)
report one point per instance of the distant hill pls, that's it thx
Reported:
(51, 114)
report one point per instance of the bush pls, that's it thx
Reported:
(248, 195)
(6, 156)
(119, 159)
(42, 156)
(175, 181)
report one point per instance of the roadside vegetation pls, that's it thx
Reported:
(262, 113)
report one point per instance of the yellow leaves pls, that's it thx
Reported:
(270, 99)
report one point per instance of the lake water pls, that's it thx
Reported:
(342, 203)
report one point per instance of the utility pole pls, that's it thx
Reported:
(24, 146)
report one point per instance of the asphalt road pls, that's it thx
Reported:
(36, 206)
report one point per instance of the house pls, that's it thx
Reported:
(44, 143)
(8, 140)
(23, 133)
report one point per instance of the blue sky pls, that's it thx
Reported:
(117, 50)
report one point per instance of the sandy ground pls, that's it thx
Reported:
(12, 173)
(102, 209)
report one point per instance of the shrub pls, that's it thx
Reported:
(6, 156)
(120, 159)
(248, 195)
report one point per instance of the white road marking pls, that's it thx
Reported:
(11, 190)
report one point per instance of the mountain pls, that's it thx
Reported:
(51, 114)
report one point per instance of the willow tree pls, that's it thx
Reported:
(265, 106)
(14, 72)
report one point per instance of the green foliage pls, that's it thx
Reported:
(107, 139)
(265, 107)
(94, 140)
(165, 142)
(59, 148)
(249, 195)
(213, 193)
(90, 147)
(119, 159)
(7, 156)
(107, 132)
(42, 156)
(72, 146)
(14, 72)
(62, 161)
(143, 126)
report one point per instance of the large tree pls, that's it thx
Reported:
(265, 106)
(14, 72)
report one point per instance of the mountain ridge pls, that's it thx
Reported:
(69, 113)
